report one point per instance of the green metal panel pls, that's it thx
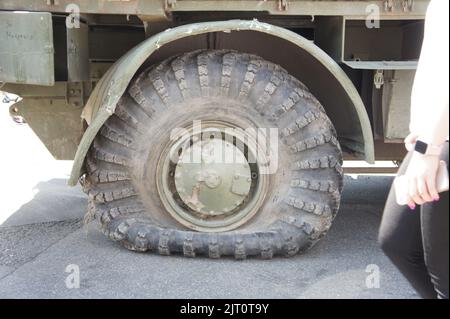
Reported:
(78, 53)
(26, 51)
(51, 113)
(57, 124)
(102, 102)
(396, 103)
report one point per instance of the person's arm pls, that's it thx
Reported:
(430, 97)
(429, 105)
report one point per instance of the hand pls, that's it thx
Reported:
(410, 140)
(421, 179)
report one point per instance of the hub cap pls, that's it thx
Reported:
(210, 188)
(206, 180)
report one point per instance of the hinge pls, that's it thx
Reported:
(283, 5)
(378, 79)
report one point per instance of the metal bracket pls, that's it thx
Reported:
(170, 4)
(407, 5)
(378, 79)
(388, 5)
(283, 5)
(75, 94)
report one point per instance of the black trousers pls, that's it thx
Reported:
(416, 241)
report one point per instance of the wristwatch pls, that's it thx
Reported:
(427, 149)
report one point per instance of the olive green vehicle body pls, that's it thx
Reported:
(71, 61)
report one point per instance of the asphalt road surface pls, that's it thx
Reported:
(44, 245)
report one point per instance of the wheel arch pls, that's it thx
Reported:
(102, 102)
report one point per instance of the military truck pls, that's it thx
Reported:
(131, 90)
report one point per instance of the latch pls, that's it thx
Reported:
(283, 5)
(378, 79)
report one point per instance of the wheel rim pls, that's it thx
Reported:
(209, 178)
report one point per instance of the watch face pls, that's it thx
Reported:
(421, 147)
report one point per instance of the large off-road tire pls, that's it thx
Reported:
(300, 199)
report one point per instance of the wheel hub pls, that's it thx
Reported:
(210, 185)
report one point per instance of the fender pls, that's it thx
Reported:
(102, 102)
